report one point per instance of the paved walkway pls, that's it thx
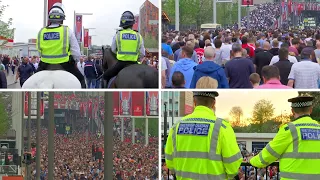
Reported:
(10, 80)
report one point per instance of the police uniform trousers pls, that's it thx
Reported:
(69, 66)
(113, 71)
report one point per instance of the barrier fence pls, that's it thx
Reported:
(245, 165)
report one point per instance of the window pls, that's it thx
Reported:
(170, 113)
(258, 146)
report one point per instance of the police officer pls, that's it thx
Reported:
(202, 146)
(127, 44)
(58, 45)
(296, 145)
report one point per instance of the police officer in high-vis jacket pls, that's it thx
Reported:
(296, 145)
(127, 44)
(58, 45)
(202, 146)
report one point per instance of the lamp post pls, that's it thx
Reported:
(82, 14)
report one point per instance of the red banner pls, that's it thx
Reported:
(90, 109)
(90, 41)
(152, 105)
(137, 103)
(125, 103)
(247, 2)
(116, 110)
(86, 38)
(78, 28)
(51, 3)
(26, 110)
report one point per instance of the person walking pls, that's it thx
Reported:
(91, 73)
(296, 145)
(202, 146)
(25, 71)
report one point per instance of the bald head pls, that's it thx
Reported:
(318, 45)
(266, 46)
(209, 53)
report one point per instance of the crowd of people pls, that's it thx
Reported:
(241, 59)
(262, 17)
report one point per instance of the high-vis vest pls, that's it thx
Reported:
(53, 45)
(297, 147)
(203, 147)
(128, 45)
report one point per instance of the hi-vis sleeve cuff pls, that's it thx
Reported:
(259, 161)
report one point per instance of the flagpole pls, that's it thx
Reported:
(45, 10)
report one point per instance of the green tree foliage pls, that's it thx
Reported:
(263, 111)
(4, 26)
(4, 116)
(150, 42)
(197, 12)
(236, 113)
(153, 130)
(316, 103)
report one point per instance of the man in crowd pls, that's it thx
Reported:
(275, 59)
(211, 69)
(239, 69)
(305, 74)
(178, 80)
(262, 58)
(275, 48)
(271, 78)
(91, 73)
(284, 65)
(166, 48)
(185, 66)
(25, 71)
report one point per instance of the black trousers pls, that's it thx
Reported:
(68, 66)
(113, 71)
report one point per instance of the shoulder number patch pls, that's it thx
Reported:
(51, 36)
(128, 36)
(310, 134)
(194, 129)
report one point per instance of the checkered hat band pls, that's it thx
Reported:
(301, 104)
(204, 94)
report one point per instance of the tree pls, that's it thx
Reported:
(4, 26)
(236, 113)
(4, 117)
(316, 103)
(263, 111)
(150, 42)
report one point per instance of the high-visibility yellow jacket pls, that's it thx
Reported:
(201, 146)
(128, 45)
(53, 45)
(297, 146)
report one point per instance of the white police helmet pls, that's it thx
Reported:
(57, 13)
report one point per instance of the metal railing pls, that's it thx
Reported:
(9, 169)
(246, 165)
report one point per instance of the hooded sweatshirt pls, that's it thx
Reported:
(211, 69)
(185, 66)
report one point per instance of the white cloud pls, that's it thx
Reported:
(28, 16)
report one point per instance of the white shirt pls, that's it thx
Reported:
(275, 59)
(163, 64)
(225, 49)
(305, 74)
(80, 66)
(114, 47)
(74, 46)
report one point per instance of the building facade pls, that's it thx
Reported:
(149, 19)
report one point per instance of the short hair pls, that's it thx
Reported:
(257, 44)
(164, 39)
(303, 110)
(190, 44)
(218, 43)
(254, 78)
(188, 50)
(295, 41)
(284, 45)
(209, 52)
(207, 82)
(317, 36)
(236, 47)
(275, 43)
(177, 79)
(234, 39)
(202, 44)
(269, 72)
(283, 53)
(244, 40)
(204, 101)
(309, 43)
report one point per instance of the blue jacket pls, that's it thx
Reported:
(211, 69)
(185, 66)
(90, 70)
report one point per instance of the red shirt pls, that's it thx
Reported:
(200, 54)
(251, 53)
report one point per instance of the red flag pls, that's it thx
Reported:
(78, 28)
(51, 3)
(86, 38)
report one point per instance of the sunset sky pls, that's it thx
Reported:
(247, 99)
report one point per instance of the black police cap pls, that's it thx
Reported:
(301, 101)
(211, 94)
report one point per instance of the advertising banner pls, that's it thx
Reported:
(90, 41)
(188, 106)
(138, 103)
(247, 2)
(152, 99)
(86, 38)
(116, 110)
(33, 105)
(78, 28)
(125, 103)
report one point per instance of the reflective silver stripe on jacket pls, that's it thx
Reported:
(272, 152)
(125, 52)
(295, 154)
(39, 37)
(64, 50)
(291, 175)
(192, 175)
